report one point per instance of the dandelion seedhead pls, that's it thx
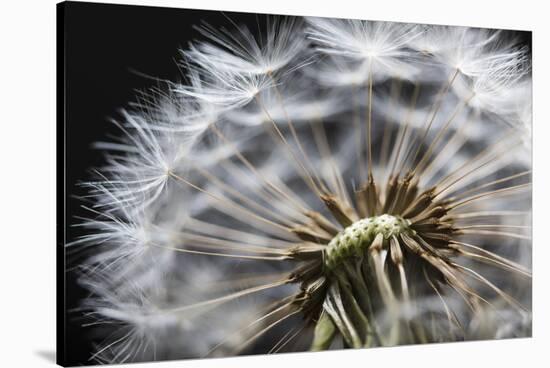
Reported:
(319, 184)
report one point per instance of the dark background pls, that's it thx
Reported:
(106, 48)
(101, 51)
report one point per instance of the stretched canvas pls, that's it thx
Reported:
(239, 183)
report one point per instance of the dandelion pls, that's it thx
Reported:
(380, 49)
(333, 184)
(240, 51)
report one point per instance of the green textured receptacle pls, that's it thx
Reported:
(354, 239)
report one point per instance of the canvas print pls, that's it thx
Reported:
(242, 184)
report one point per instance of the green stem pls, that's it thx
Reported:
(325, 331)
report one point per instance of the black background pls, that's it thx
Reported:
(101, 51)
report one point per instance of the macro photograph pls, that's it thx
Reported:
(254, 184)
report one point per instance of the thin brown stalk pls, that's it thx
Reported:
(493, 256)
(229, 297)
(321, 140)
(493, 193)
(301, 169)
(513, 302)
(229, 203)
(437, 105)
(293, 132)
(369, 122)
(495, 233)
(253, 169)
(499, 181)
(404, 130)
